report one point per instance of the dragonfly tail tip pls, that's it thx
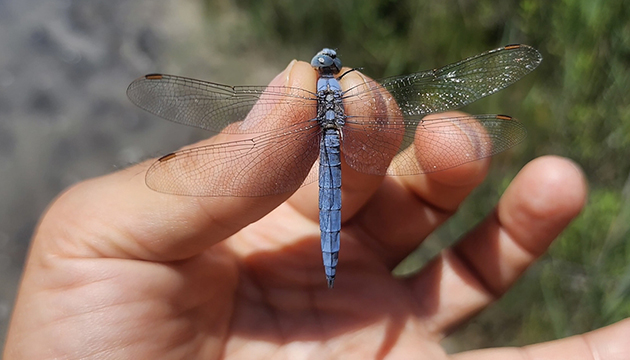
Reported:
(331, 281)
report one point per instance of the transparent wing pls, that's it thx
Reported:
(272, 163)
(220, 108)
(399, 146)
(449, 87)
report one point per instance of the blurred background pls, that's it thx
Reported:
(64, 116)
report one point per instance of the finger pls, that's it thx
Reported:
(406, 209)
(543, 198)
(609, 343)
(120, 217)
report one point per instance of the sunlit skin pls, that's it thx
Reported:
(119, 271)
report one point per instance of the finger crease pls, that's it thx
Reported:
(434, 207)
(513, 238)
(468, 265)
(593, 350)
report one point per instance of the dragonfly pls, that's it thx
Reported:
(288, 137)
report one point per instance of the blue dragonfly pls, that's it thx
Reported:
(384, 133)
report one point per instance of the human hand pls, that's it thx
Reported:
(119, 271)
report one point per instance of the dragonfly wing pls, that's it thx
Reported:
(220, 108)
(272, 163)
(451, 86)
(406, 147)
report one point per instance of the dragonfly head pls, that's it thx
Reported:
(326, 62)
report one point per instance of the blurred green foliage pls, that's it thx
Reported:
(576, 104)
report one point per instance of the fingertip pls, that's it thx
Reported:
(284, 76)
(559, 177)
(440, 147)
(297, 74)
(300, 74)
(549, 186)
(468, 174)
(549, 192)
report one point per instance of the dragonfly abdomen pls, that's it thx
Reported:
(330, 200)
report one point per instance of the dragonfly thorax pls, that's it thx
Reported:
(330, 111)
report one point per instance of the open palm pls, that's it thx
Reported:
(119, 271)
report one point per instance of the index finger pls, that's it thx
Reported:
(124, 218)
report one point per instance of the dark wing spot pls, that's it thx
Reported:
(167, 157)
(153, 77)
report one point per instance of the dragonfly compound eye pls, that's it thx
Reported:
(326, 62)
